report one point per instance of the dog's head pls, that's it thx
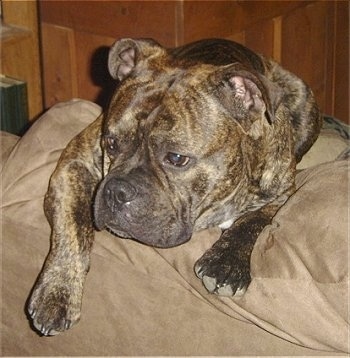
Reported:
(186, 145)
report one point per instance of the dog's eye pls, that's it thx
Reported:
(111, 144)
(177, 160)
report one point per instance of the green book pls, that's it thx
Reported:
(13, 105)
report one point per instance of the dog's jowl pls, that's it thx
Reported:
(203, 135)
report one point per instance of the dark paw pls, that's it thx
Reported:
(54, 307)
(223, 272)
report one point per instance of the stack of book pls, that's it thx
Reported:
(13, 105)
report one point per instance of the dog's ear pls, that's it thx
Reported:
(252, 90)
(126, 54)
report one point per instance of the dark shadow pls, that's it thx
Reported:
(101, 77)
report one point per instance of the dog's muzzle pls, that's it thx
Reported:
(136, 208)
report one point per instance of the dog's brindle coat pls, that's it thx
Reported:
(203, 135)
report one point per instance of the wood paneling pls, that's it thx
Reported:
(117, 19)
(304, 46)
(59, 64)
(341, 96)
(205, 19)
(309, 38)
(260, 37)
(263, 10)
(20, 56)
(80, 70)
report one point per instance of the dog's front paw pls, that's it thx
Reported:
(223, 272)
(55, 304)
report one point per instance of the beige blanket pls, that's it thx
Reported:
(145, 301)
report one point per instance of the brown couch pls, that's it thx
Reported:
(145, 301)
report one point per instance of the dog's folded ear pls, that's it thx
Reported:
(126, 54)
(255, 92)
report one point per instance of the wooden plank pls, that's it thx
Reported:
(304, 38)
(81, 70)
(228, 18)
(238, 37)
(118, 19)
(179, 24)
(256, 10)
(330, 61)
(277, 39)
(207, 19)
(59, 64)
(260, 37)
(21, 13)
(20, 57)
(341, 62)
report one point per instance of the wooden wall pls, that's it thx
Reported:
(19, 48)
(310, 38)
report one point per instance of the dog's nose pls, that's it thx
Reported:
(118, 192)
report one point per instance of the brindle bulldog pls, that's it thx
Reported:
(203, 135)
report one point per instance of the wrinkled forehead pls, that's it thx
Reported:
(141, 92)
(145, 95)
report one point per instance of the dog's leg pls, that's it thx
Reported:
(225, 267)
(55, 302)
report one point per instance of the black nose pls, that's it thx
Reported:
(118, 192)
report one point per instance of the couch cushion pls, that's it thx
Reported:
(147, 301)
(7, 142)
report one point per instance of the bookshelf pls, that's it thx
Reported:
(20, 53)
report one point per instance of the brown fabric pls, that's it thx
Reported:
(327, 147)
(7, 142)
(144, 301)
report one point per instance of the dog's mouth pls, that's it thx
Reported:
(133, 206)
(153, 239)
(144, 219)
